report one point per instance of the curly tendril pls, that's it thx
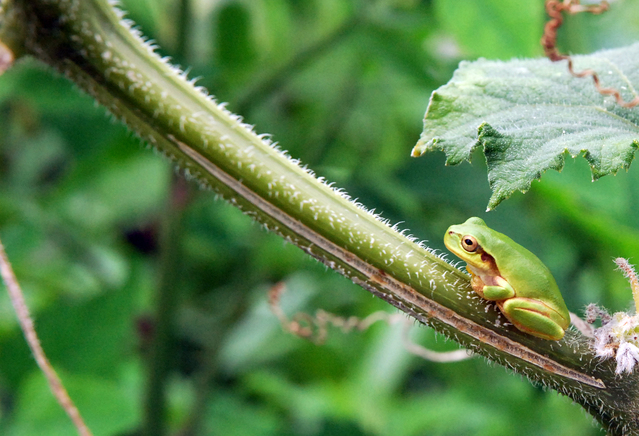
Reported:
(554, 8)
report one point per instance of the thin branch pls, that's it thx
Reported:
(26, 324)
(166, 308)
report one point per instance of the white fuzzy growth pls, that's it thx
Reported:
(618, 338)
(627, 357)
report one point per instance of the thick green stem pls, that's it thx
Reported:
(85, 40)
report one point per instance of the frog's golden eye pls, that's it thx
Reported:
(469, 243)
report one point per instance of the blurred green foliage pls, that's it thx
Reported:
(343, 86)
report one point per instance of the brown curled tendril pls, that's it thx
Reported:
(554, 8)
(315, 328)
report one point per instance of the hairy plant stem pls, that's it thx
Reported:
(86, 41)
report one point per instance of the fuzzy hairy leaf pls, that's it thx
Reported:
(527, 114)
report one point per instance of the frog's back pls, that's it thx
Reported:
(528, 275)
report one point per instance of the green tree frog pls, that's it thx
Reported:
(515, 279)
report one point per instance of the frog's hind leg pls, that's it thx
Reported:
(534, 317)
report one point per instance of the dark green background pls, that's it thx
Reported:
(343, 86)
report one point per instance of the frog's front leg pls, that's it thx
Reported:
(534, 317)
(497, 289)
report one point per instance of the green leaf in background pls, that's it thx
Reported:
(509, 27)
(526, 114)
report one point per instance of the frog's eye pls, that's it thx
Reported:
(469, 243)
